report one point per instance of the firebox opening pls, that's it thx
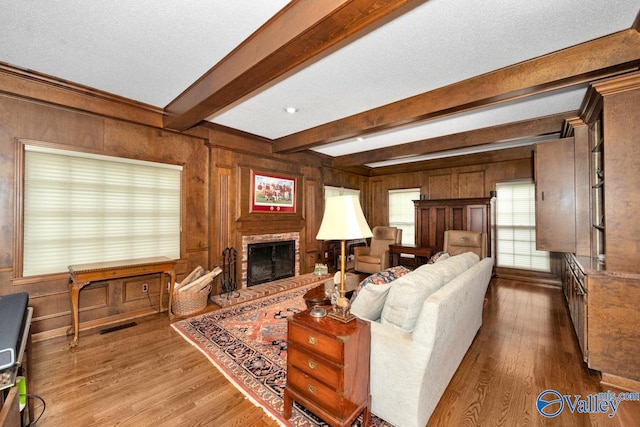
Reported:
(270, 261)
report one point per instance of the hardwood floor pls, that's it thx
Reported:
(147, 375)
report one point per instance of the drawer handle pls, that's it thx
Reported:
(312, 364)
(311, 389)
(313, 340)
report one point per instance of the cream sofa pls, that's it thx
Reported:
(422, 324)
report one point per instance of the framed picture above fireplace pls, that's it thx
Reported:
(272, 193)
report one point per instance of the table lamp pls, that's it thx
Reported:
(343, 220)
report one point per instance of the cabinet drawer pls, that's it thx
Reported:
(315, 342)
(320, 394)
(307, 363)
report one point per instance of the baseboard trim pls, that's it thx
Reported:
(536, 277)
(620, 383)
(92, 324)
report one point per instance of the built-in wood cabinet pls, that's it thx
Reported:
(612, 111)
(604, 314)
(602, 287)
(597, 185)
(555, 196)
(434, 217)
(574, 287)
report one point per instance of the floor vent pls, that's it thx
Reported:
(117, 328)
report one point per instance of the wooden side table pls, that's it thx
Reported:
(328, 368)
(83, 274)
(421, 254)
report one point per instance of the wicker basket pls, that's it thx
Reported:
(189, 303)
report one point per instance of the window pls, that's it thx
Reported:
(402, 212)
(81, 208)
(516, 228)
(339, 191)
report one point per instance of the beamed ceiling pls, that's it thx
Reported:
(375, 83)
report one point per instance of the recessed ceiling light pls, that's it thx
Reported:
(359, 138)
(291, 110)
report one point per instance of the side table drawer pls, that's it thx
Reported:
(319, 393)
(315, 342)
(331, 375)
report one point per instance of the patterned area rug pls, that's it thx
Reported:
(248, 343)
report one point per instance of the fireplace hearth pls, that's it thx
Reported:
(268, 261)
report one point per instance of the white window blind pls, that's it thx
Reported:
(330, 191)
(81, 208)
(402, 212)
(516, 228)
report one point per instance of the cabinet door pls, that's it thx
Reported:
(555, 196)
(431, 222)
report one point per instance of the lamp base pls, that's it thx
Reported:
(346, 318)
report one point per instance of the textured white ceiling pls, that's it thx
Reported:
(146, 50)
(152, 50)
(438, 43)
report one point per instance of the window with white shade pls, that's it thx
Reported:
(80, 208)
(516, 228)
(402, 212)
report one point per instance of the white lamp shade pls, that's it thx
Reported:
(343, 220)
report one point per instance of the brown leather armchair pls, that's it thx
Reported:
(374, 258)
(460, 241)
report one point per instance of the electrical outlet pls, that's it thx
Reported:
(145, 287)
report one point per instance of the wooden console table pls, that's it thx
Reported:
(83, 274)
(421, 254)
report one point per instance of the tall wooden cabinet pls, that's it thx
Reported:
(602, 287)
(555, 196)
(434, 217)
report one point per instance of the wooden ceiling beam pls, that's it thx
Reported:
(509, 154)
(299, 32)
(598, 58)
(517, 130)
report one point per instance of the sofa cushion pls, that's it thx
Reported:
(370, 305)
(453, 266)
(468, 258)
(408, 293)
(370, 300)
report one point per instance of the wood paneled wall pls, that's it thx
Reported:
(22, 119)
(475, 179)
(217, 163)
(232, 218)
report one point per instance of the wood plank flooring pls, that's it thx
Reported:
(147, 375)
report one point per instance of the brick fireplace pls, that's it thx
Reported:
(267, 238)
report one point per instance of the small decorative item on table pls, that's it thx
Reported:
(320, 269)
(339, 304)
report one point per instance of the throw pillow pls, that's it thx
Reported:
(373, 291)
(369, 302)
(438, 256)
(384, 276)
